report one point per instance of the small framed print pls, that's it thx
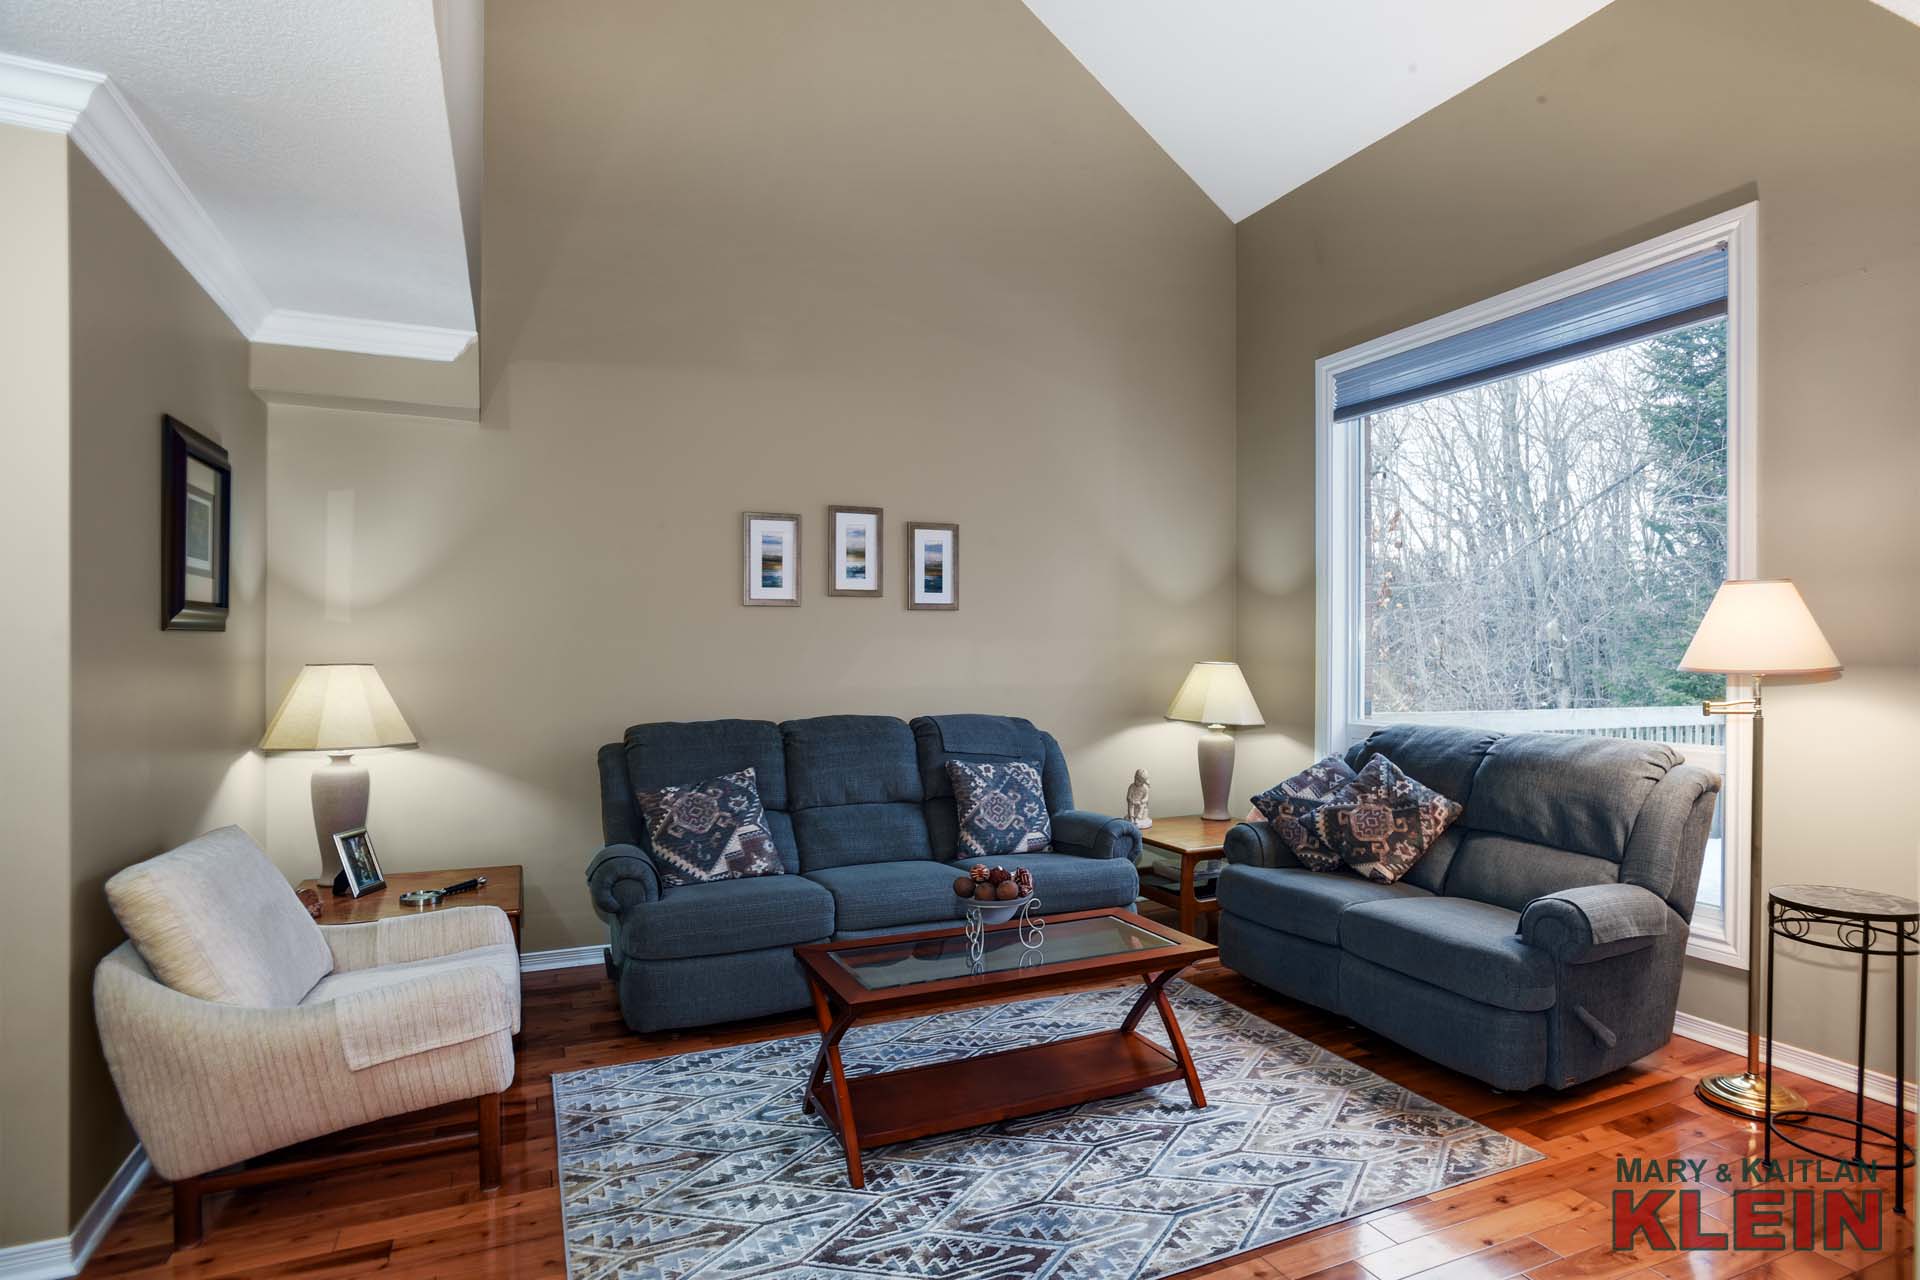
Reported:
(933, 566)
(770, 542)
(358, 865)
(196, 534)
(856, 541)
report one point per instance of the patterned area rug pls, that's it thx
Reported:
(702, 1164)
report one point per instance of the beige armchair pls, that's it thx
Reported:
(235, 1026)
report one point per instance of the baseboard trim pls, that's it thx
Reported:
(65, 1256)
(1787, 1057)
(568, 958)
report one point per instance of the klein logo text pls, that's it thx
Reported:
(1764, 1219)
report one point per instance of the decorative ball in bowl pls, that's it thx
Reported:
(995, 892)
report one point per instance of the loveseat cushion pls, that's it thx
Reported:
(1581, 794)
(1069, 882)
(1308, 904)
(878, 895)
(727, 916)
(1463, 946)
(215, 920)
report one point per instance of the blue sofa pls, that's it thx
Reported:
(1538, 942)
(862, 813)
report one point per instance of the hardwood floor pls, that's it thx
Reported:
(1548, 1221)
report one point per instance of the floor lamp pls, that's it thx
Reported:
(1755, 628)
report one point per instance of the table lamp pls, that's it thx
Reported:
(1755, 628)
(338, 708)
(1215, 694)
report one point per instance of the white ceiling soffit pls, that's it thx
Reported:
(296, 157)
(1254, 97)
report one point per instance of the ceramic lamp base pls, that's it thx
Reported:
(1216, 772)
(340, 789)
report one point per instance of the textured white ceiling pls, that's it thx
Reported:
(1254, 97)
(313, 132)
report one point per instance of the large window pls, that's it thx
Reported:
(1532, 503)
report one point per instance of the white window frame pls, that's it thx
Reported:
(1718, 935)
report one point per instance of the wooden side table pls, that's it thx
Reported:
(502, 890)
(1195, 840)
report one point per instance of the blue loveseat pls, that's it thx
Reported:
(862, 813)
(1538, 942)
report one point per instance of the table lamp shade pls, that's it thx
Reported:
(338, 708)
(1215, 693)
(1759, 628)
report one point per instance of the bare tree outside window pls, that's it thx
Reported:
(1546, 544)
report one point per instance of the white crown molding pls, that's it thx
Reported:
(87, 107)
(282, 327)
(65, 1256)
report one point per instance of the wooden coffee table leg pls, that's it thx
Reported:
(825, 1059)
(1155, 982)
(1179, 1043)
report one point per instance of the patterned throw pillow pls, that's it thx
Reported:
(1002, 808)
(712, 830)
(1383, 821)
(1289, 809)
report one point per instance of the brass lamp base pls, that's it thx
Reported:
(1746, 1095)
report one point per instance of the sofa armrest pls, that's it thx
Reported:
(1592, 922)
(1095, 835)
(1256, 844)
(620, 875)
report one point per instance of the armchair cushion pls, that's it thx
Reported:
(726, 916)
(215, 920)
(1592, 922)
(430, 935)
(1095, 835)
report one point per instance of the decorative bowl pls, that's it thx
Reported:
(995, 912)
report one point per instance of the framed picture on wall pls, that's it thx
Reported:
(196, 530)
(933, 566)
(770, 544)
(856, 541)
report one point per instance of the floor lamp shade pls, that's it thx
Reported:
(1216, 695)
(338, 708)
(1755, 628)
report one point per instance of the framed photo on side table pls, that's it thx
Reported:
(770, 543)
(856, 541)
(196, 529)
(359, 867)
(933, 566)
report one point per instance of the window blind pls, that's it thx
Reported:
(1681, 292)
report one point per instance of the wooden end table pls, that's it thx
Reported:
(932, 972)
(502, 890)
(1195, 840)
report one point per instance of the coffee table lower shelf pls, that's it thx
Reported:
(895, 1106)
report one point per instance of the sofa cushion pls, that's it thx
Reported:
(215, 920)
(1001, 807)
(1467, 947)
(725, 916)
(854, 786)
(1383, 821)
(712, 830)
(1289, 808)
(877, 895)
(1308, 904)
(1511, 873)
(1576, 793)
(938, 739)
(675, 753)
(1069, 882)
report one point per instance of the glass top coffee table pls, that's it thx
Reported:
(866, 978)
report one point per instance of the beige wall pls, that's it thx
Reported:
(164, 722)
(1647, 116)
(35, 658)
(122, 740)
(749, 257)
